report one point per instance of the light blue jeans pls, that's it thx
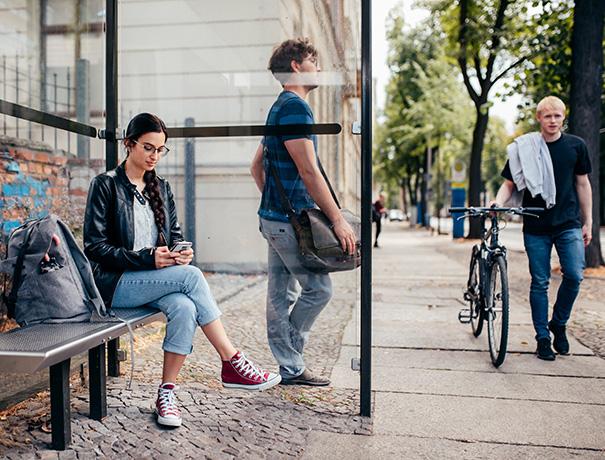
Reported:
(570, 248)
(290, 313)
(180, 292)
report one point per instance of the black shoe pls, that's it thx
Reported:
(560, 343)
(544, 351)
(376, 245)
(307, 378)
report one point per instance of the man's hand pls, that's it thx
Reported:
(55, 239)
(184, 257)
(164, 258)
(346, 235)
(587, 233)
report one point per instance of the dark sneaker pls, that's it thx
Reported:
(307, 378)
(560, 343)
(240, 372)
(544, 351)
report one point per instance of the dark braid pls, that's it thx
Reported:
(139, 125)
(152, 191)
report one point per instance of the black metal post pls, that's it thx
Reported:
(17, 92)
(4, 87)
(55, 96)
(111, 83)
(366, 211)
(97, 387)
(60, 412)
(68, 108)
(190, 201)
(113, 364)
(29, 94)
(83, 104)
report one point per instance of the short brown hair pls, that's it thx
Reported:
(294, 49)
(550, 102)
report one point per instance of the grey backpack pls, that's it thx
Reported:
(58, 290)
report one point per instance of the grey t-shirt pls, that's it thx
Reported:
(145, 229)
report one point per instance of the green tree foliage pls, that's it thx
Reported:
(427, 109)
(487, 39)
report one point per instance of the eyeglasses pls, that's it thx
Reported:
(150, 149)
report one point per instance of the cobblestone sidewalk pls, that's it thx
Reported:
(218, 423)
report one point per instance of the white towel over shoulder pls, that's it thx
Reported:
(531, 167)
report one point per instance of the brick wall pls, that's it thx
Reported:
(35, 181)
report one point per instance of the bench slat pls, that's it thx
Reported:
(37, 347)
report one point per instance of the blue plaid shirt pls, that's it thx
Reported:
(288, 109)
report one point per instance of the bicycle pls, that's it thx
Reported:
(487, 285)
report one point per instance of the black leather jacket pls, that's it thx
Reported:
(109, 229)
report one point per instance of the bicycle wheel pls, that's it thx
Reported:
(474, 294)
(497, 311)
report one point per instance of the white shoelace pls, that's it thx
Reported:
(167, 401)
(247, 368)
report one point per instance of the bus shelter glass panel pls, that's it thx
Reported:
(52, 61)
(204, 64)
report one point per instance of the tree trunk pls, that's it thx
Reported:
(585, 101)
(474, 181)
(404, 198)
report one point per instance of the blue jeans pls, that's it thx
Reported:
(180, 292)
(288, 330)
(570, 249)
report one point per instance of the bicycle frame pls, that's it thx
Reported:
(489, 248)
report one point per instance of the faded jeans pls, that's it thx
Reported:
(290, 314)
(570, 249)
(180, 292)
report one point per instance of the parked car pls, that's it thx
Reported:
(395, 215)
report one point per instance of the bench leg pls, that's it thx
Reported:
(97, 386)
(113, 365)
(60, 412)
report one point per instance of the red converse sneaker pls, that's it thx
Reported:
(166, 407)
(240, 372)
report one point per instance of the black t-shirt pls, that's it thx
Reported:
(569, 158)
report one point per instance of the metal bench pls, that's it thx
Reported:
(53, 345)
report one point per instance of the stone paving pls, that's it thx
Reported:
(218, 423)
(587, 323)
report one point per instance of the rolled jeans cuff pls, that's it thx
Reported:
(175, 348)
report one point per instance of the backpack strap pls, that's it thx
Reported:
(11, 299)
(82, 265)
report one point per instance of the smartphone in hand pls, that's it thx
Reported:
(181, 246)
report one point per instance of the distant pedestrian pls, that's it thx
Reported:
(378, 212)
(551, 170)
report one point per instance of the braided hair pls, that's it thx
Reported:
(141, 124)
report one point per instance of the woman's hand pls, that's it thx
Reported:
(184, 257)
(163, 257)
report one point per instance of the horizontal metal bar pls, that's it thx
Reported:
(43, 118)
(254, 130)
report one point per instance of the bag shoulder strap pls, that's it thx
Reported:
(11, 299)
(82, 265)
(282, 192)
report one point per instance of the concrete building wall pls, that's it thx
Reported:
(208, 61)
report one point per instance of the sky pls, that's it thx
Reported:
(506, 110)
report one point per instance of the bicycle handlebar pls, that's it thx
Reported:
(478, 211)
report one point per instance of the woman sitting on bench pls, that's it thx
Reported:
(131, 237)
